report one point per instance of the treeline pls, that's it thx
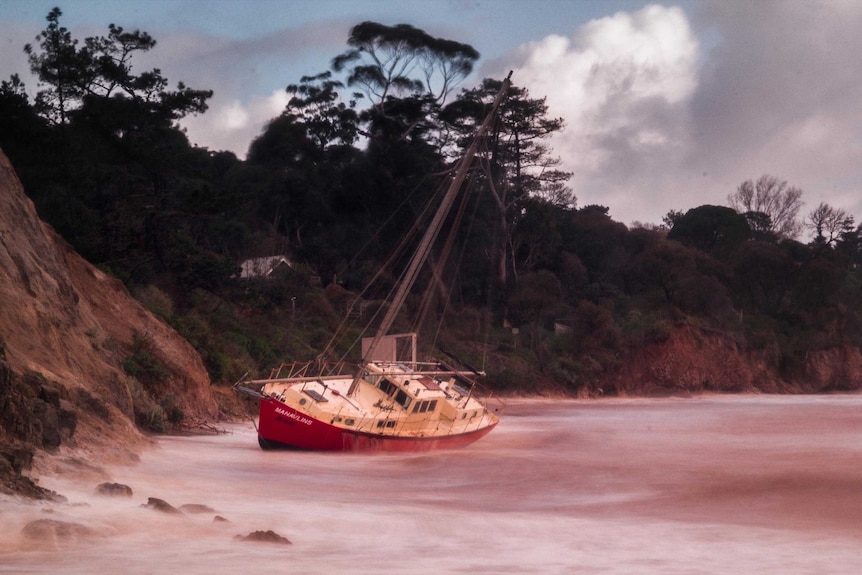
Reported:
(338, 178)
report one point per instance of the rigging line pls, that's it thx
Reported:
(399, 250)
(394, 256)
(431, 232)
(436, 282)
(391, 217)
(497, 230)
(462, 252)
(438, 266)
(483, 155)
(445, 255)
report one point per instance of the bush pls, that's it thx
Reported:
(142, 364)
(149, 415)
(156, 301)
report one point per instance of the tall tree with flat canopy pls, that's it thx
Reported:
(407, 75)
(402, 60)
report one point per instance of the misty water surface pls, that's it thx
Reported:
(741, 484)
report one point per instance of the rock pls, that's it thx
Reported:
(220, 519)
(50, 532)
(264, 537)
(162, 506)
(13, 458)
(114, 490)
(68, 418)
(19, 455)
(93, 403)
(196, 508)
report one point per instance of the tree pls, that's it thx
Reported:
(761, 225)
(849, 248)
(764, 273)
(316, 104)
(598, 241)
(59, 65)
(521, 166)
(100, 74)
(713, 229)
(23, 133)
(126, 190)
(773, 197)
(403, 60)
(669, 220)
(828, 223)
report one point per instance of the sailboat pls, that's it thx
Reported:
(389, 401)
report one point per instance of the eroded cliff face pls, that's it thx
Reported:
(65, 330)
(694, 360)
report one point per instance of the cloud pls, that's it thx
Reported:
(230, 124)
(780, 94)
(623, 84)
(13, 60)
(672, 110)
(247, 75)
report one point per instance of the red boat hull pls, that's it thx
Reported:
(282, 427)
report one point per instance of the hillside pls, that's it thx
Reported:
(66, 329)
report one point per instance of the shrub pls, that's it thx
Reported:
(143, 364)
(149, 415)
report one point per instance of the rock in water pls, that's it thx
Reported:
(269, 536)
(53, 533)
(114, 490)
(196, 508)
(161, 505)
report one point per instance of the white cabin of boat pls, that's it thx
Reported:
(394, 397)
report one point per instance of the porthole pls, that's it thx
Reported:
(302, 401)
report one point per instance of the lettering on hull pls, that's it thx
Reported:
(293, 416)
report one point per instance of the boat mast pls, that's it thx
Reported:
(421, 253)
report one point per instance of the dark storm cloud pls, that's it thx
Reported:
(780, 93)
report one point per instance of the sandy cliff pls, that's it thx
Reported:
(65, 329)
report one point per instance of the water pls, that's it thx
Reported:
(740, 484)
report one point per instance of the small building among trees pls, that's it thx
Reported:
(264, 267)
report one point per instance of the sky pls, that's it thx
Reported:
(667, 105)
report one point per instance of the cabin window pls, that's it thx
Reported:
(349, 421)
(426, 405)
(380, 423)
(390, 423)
(402, 399)
(387, 387)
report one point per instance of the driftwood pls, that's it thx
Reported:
(197, 425)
